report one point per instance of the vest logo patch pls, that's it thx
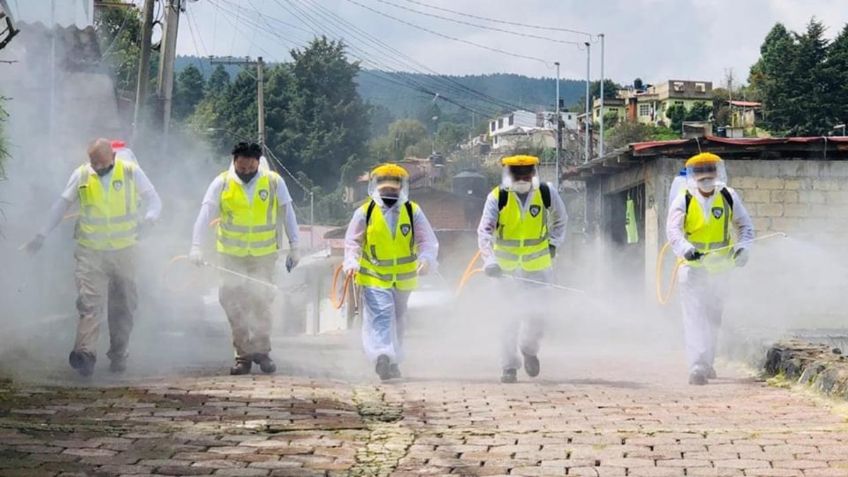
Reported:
(263, 194)
(718, 212)
(118, 185)
(534, 210)
(404, 229)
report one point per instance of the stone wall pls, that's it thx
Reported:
(803, 197)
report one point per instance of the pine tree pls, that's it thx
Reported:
(773, 77)
(810, 103)
(189, 92)
(836, 70)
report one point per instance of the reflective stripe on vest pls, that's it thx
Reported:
(248, 227)
(521, 240)
(108, 217)
(389, 260)
(710, 233)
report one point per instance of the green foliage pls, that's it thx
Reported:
(119, 33)
(801, 80)
(450, 136)
(406, 137)
(188, 93)
(610, 88)
(676, 114)
(628, 132)
(219, 82)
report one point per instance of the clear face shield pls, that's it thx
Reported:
(706, 177)
(389, 190)
(520, 179)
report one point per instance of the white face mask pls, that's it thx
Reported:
(707, 184)
(521, 187)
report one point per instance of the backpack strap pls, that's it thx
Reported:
(369, 211)
(727, 197)
(503, 196)
(688, 201)
(408, 206)
(546, 194)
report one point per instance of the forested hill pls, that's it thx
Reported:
(410, 94)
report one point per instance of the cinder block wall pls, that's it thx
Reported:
(797, 197)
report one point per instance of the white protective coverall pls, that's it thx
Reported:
(701, 292)
(522, 329)
(383, 309)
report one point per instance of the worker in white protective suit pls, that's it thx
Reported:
(388, 245)
(523, 224)
(710, 232)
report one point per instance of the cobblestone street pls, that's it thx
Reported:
(611, 413)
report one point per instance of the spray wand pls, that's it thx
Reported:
(664, 298)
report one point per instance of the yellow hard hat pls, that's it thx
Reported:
(703, 159)
(389, 170)
(520, 161)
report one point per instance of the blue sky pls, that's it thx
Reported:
(651, 39)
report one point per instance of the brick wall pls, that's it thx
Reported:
(798, 197)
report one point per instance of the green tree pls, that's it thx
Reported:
(450, 136)
(774, 77)
(188, 92)
(836, 70)
(405, 137)
(676, 115)
(328, 124)
(700, 111)
(118, 34)
(218, 82)
(813, 99)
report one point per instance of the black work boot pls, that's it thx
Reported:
(698, 378)
(383, 367)
(83, 362)
(509, 376)
(118, 365)
(531, 364)
(242, 366)
(394, 372)
(266, 364)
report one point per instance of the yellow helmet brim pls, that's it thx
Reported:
(520, 161)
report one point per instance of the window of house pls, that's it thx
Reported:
(511, 119)
(500, 123)
(678, 86)
(492, 124)
(678, 103)
(701, 87)
(644, 110)
(613, 110)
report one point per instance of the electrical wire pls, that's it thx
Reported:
(453, 38)
(200, 64)
(503, 22)
(477, 25)
(444, 84)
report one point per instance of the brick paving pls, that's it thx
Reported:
(617, 414)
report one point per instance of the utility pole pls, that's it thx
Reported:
(260, 99)
(260, 90)
(601, 137)
(143, 68)
(558, 130)
(588, 119)
(166, 63)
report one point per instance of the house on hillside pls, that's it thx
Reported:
(651, 105)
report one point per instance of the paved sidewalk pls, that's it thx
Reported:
(594, 412)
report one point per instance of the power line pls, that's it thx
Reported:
(194, 42)
(444, 82)
(453, 38)
(503, 22)
(316, 25)
(477, 25)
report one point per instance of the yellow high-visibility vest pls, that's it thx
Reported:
(521, 240)
(710, 232)
(248, 227)
(389, 258)
(108, 217)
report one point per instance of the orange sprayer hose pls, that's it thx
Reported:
(338, 301)
(664, 298)
(468, 273)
